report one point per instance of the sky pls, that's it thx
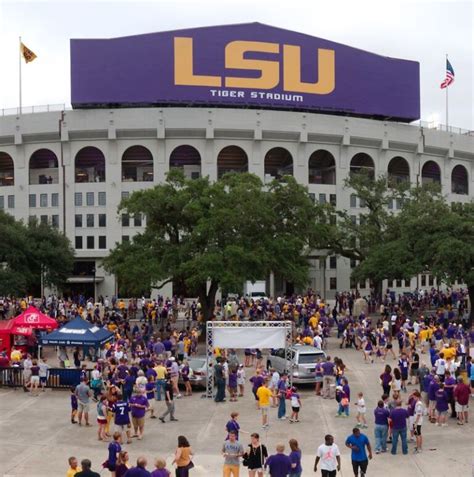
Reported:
(420, 30)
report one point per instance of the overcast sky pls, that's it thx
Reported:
(419, 30)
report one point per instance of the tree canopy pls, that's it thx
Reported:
(211, 235)
(27, 251)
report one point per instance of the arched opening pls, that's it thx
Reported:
(430, 173)
(363, 163)
(459, 180)
(90, 165)
(278, 163)
(398, 170)
(322, 168)
(7, 170)
(43, 167)
(232, 159)
(137, 165)
(187, 158)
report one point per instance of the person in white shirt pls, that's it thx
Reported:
(418, 421)
(273, 386)
(330, 457)
(318, 342)
(361, 411)
(440, 365)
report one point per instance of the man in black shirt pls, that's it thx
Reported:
(169, 401)
(86, 471)
(219, 380)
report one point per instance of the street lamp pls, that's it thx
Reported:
(93, 271)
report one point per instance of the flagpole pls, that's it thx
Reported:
(19, 67)
(447, 104)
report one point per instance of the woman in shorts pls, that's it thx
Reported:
(34, 380)
(102, 418)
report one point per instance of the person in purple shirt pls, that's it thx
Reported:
(399, 417)
(160, 470)
(295, 458)
(121, 410)
(281, 389)
(139, 470)
(449, 384)
(114, 450)
(233, 425)
(433, 387)
(328, 379)
(139, 405)
(256, 381)
(279, 464)
(442, 405)
(381, 414)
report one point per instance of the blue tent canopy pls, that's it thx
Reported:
(78, 332)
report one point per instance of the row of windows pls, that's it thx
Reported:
(10, 202)
(137, 166)
(90, 199)
(90, 242)
(90, 220)
(52, 220)
(43, 200)
(322, 198)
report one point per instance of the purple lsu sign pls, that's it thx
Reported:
(247, 65)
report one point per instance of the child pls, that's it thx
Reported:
(361, 410)
(73, 405)
(343, 400)
(150, 394)
(233, 384)
(241, 379)
(295, 405)
(161, 470)
(114, 450)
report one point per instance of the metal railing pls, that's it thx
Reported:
(443, 127)
(58, 378)
(42, 108)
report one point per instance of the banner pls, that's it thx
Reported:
(242, 337)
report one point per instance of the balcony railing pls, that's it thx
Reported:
(42, 108)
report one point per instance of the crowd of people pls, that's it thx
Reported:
(150, 357)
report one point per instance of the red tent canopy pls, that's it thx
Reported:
(33, 319)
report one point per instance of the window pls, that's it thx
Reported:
(333, 262)
(354, 219)
(78, 242)
(44, 220)
(138, 220)
(55, 221)
(312, 196)
(125, 238)
(430, 280)
(90, 220)
(390, 204)
(353, 283)
(31, 219)
(333, 283)
(78, 199)
(32, 200)
(11, 201)
(2, 202)
(399, 284)
(125, 220)
(362, 284)
(399, 204)
(332, 199)
(90, 198)
(43, 200)
(102, 241)
(332, 219)
(55, 200)
(423, 280)
(322, 198)
(90, 242)
(353, 263)
(102, 200)
(353, 200)
(102, 220)
(362, 203)
(78, 220)
(125, 194)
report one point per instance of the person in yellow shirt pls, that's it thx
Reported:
(264, 394)
(15, 355)
(161, 373)
(73, 467)
(121, 305)
(23, 304)
(449, 353)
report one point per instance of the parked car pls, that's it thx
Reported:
(302, 364)
(198, 364)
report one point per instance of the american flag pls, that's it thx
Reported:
(449, 75)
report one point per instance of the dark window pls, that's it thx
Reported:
(423, 280)
(125, 220)
(333, 283)
(353, 283)
(44, 219)
(125, 195)
(90, 220)
(333, 199)
(362, 203)
(312, 196)
(362, 284)
(2, 202)
(322, 198)
(390, 204)
(90, 198)
(354, 219)
(430, 280)
(78, 242)
(125, 238)
(11, 201)
(90, 242)
(399, 283)
(138, 220)
(102, 242)
(102, 220)
(78, 220)
(55, 221)
(32, 200)
(332, 219)
(333, 262)
(353, 264)
(78, 199)
(353, 200)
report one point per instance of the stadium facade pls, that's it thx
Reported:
(134, 119)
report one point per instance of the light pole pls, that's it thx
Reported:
(93, 271)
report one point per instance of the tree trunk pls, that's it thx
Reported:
(208, 299)
(470, 289)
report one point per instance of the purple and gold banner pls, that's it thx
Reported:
(247, 65)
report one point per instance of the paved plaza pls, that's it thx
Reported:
(37, 436)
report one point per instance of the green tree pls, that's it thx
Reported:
(212, 235)
(27, 251)
(354, 238)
